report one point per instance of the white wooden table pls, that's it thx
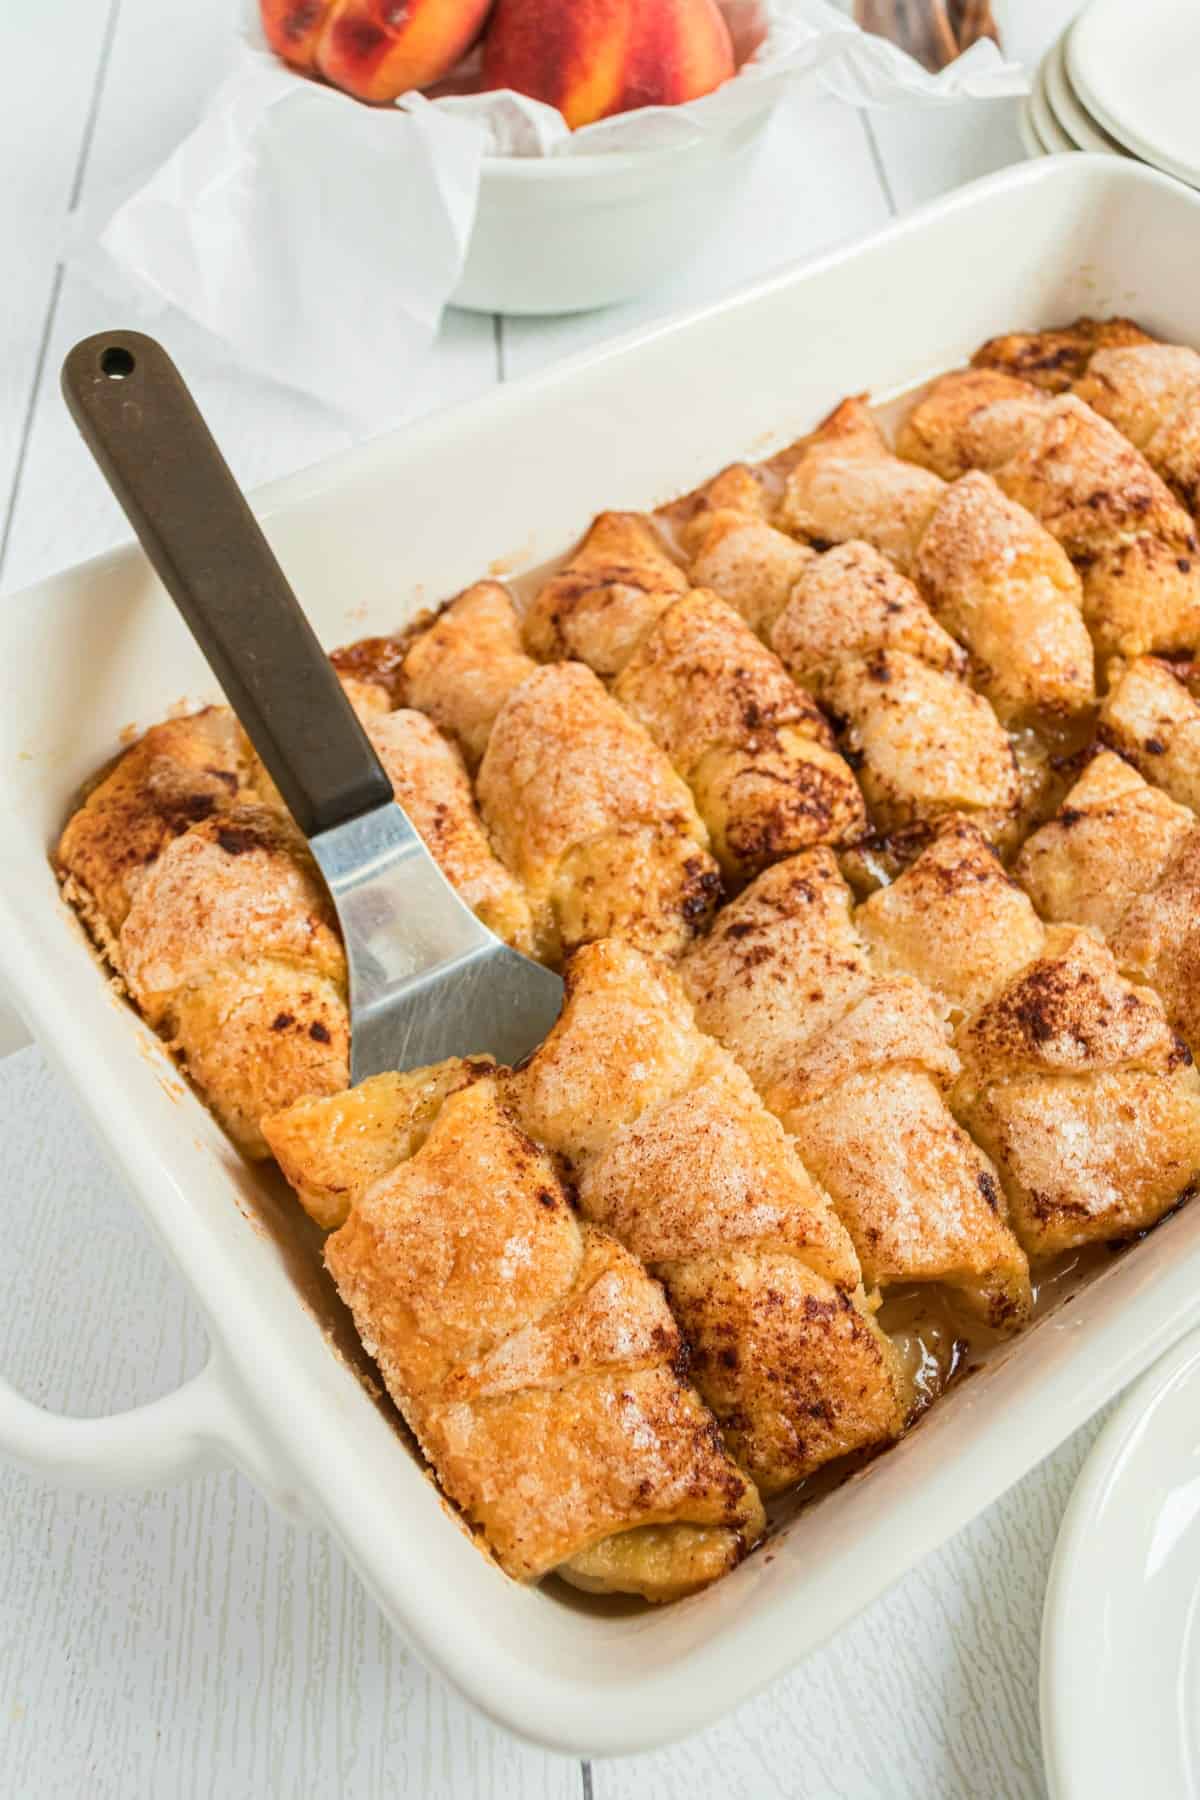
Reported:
(191, 1642)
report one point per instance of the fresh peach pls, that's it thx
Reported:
(376, 49)
(293, 28)
(597, 57)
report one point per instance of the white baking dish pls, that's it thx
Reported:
(366, 538)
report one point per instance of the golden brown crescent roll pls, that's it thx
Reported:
(1149, 391)
(535, 1361)
(200, 890)
(844, 483)
(722, 530)
(1150, 717)
(231, 952)
(856, 632)
(855, 1062)
(1007, 590)
(1124, 859)
(208, 907)
(1133, 544)
(672, 1150)
(741, 556)
(1056, 360)
(993, 576)
(757, 754)
(600, 606)
(590, 817)
(463, 666)
(175, 775)
(753, 747)
(1072, 1078)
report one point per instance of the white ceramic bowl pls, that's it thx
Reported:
(366, 540)
(558, 234)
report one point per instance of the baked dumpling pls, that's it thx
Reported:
(670, 1147)
(1151, 719)
(757, 754)
(231, 952)
(599, 607)
(1072, 1079)
(992, 575)
(1056, 360)
(535, 1360)
(1125, 859)
(1005, 588)
(1134, 546)
(856, 632)
(1149, 391)
(175, 775)
(462, 667)
(211, 912)
(843, 483)
(755, 750)
(589, 815)
(856, 1063)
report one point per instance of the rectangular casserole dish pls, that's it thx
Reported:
(367, 539)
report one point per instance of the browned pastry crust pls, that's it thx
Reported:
(672, 1150)
(1149, 391)
(842, 483)
(857, 632)
(739, 556)
(754, 748)
(463, 666)
(177, 774)
(1151, 719)
(1056, 360)
(600, 606)
(204, 898)
(1004, 587)
(593, 821)
(231, 951)
(1133, 544)
(534, 1359)
(208, 908)
(1072, 1078)
(757, 754)
(992, 575)
(1123, 858)
(855, 1062)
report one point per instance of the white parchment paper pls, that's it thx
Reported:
(321, 239)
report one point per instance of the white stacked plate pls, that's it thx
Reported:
(1122, 81)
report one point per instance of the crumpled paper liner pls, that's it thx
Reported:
(321, 239)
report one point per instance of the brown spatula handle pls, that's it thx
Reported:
(162, 463)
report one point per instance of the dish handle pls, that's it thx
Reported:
(198, 1427)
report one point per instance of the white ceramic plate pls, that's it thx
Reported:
(1033, 144)
(1120, 1697)
(506, 483)
(1136, 66)
(1044, 122)
(1064, 103)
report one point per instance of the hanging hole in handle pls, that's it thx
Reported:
(116, 362)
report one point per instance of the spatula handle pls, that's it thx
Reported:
(159, 457)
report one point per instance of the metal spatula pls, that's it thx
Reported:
(427, 980)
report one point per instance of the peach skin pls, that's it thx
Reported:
(598, 57)
(374, 49)
(293, 28)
